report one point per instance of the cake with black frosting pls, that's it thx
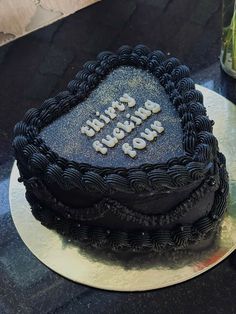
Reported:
(125, 158)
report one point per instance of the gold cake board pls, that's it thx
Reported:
(134, 273)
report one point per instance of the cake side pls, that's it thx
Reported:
(158, 239)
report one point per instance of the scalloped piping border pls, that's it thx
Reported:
(180, 236)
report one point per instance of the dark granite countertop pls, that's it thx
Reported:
(39, 65)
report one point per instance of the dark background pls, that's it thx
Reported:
(38, 66)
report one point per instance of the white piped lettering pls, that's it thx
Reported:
(149, 135)
(110, 141)
(154, 107)
(119, 134)
(137, 120)
(157, 126)
(143, 113)
(110, 112)
(139, 143)
(88, 131)
(129, 100)
(128, 150)
(104, 118)
(95, 124)
(117, 105)
(126, 126)
(99, 147)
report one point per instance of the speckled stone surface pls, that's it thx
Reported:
(64, 135)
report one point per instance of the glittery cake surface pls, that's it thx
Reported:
(64, 134)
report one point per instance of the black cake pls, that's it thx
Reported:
(125, 158)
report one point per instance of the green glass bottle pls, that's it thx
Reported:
(228, 47)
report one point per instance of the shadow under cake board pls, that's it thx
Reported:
(107, 271)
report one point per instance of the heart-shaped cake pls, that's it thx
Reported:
(125, 158)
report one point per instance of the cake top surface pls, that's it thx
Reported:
(65, 136)
(177, 147)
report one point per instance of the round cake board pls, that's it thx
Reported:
(109, 271)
